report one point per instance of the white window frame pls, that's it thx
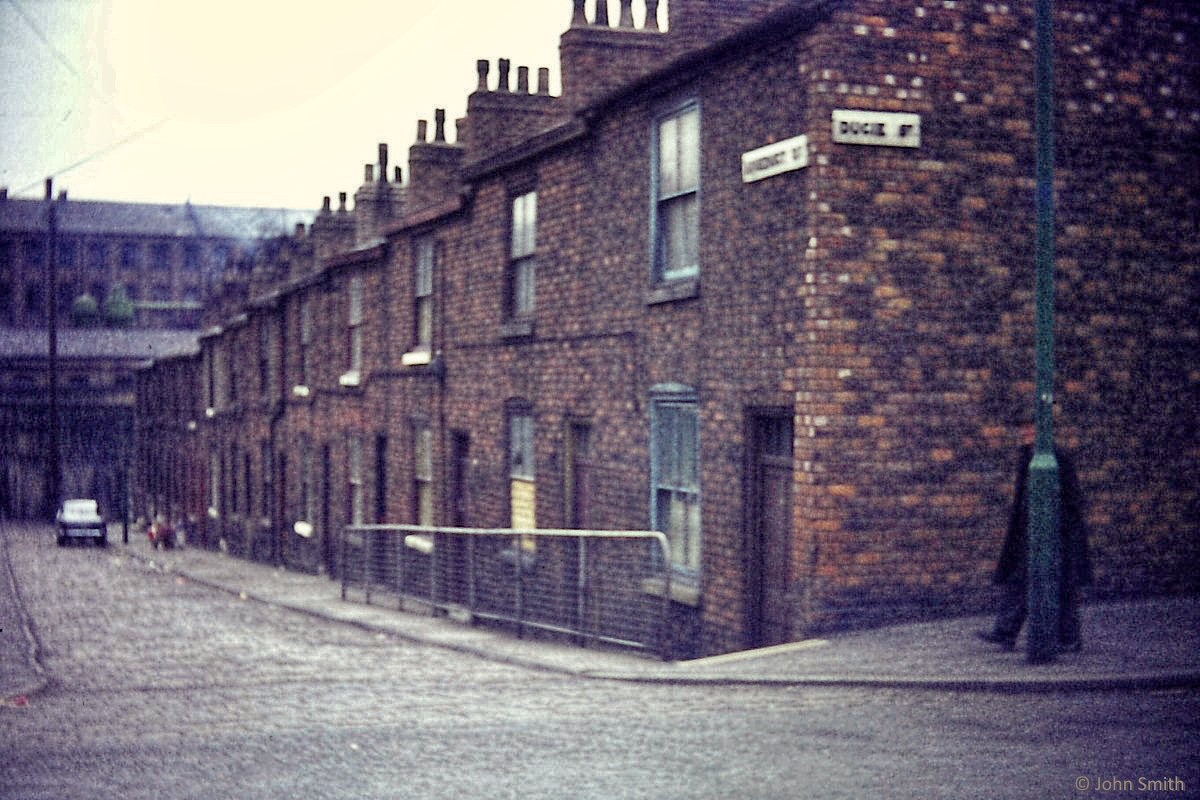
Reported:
(675, 188)
(522, 253)
(675, 469)
(354, 477)
(423, 276)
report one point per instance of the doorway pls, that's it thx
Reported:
(768, 527)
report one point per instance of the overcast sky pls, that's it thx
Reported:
(242, 102)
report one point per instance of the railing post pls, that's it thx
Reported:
(343, 554)
(471, 600)
(581, 610)
(520, 588)
(365, 550)
(434, 569)
(664, 624)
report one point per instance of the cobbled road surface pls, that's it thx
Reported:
(159, 688)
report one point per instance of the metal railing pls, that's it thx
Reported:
(592, 586)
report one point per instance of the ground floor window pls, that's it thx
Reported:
(675, 475)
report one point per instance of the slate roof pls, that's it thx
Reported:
(99, 343)
(152, 219)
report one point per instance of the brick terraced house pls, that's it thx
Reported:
(761, 278)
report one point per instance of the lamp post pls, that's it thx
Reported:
(1045, 556)
(53, 456)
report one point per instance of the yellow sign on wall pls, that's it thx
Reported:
(524, 504)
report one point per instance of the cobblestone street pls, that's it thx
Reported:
(161, 688)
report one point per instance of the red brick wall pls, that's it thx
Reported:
(884, 295)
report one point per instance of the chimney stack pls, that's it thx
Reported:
(598, 57)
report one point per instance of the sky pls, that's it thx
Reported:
(271, 103)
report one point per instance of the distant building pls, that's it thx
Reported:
(132, 279)
(164, 257)
(96, 392)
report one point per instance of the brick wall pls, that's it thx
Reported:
(881, 298)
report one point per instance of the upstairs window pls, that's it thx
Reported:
(160, 256)
(423, 295)
(306, 341)
(131, 255)
(522, 256)
(355, 323)
(97, 256)
(676, 185)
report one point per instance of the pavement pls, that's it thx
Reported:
(1148, 644)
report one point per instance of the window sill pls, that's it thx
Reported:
(350, 380)
(416, 358)
(678, 289)
(421, 542)
(517, 329)
(683, 592)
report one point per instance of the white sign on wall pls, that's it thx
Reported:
(772, 159)
(879, 128)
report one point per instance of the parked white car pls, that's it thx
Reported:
(81, 519)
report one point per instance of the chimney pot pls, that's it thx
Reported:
(368, 173)
(626, 14)
(651, 15)
(383, 162)
(62, 194)
(578, 15)
(543, 86)
(325, 204)
(399, 175)
(300, 230)
(341, 202)
(439, 121)
(483, 66)
(601, 13)
(502, 84)
(523, 80)
(422, 128)
(49, 188)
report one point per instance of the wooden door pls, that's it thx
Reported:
(768, 526)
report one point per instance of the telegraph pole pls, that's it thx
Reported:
(1045, 546)
(54, 459)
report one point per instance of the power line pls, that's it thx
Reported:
(101, 152)
(62, 59)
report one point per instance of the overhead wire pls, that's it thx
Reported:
(92, 88)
